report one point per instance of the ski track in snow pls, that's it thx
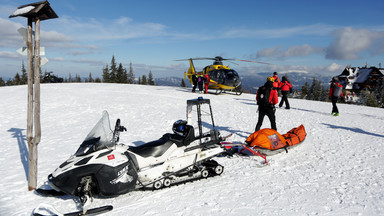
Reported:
(337, 170)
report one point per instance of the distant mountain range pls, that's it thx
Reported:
(253, 82)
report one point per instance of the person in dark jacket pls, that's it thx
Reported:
(194, 82)
(335, 92)
(269, 108)
(285, 87)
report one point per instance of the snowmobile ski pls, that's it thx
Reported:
(49, 192)
(49, 210)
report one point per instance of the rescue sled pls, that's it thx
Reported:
(267, 142)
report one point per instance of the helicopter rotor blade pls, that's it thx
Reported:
(195, 59)
(230, 61)
(252, 61)
(219, 58)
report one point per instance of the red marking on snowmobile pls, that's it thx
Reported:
(111, 157)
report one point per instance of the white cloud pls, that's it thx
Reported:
(315, 29)
(280, 53)
(332, 69)
(91, 29)
(10, 55)
(9, 37)
(349, 42)
(60, 59)
(91, 62)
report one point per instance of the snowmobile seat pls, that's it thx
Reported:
(189, 136)
(154, 148)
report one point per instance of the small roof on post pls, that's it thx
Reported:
(41, 10)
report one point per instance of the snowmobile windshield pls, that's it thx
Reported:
(100, 137)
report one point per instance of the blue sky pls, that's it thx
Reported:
(319, 37)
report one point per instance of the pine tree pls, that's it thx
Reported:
(2, 83)
(90, 79)
(77, 78)
(324, 94)
(125, 75)
(24, 75)
(314, 92)
(70, 78)
(17, 80)
(131, 75)
(368, 98)
(304, 90)
(9, 82)
(379, 93)
(113, 71)
(106, 76)
(120, 74)
(150, 79)
(144, 80)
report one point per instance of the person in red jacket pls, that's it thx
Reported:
(266, 98)
(335, 92)
(276, 80)
(285, 87)
(206, 83)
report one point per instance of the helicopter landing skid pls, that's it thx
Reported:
(236, 92)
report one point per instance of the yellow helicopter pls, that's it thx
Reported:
(222, 78)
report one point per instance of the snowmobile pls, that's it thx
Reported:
(103, 166)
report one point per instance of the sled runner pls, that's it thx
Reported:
(267, 142)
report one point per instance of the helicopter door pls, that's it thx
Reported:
(220, 76)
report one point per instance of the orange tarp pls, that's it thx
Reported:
(270, 139)
(267, 138)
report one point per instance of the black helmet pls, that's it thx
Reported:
(179, 127)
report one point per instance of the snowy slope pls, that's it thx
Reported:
(338, 170)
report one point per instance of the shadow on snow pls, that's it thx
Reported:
(356, 130)
(21, 141)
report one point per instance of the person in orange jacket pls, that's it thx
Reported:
(206, 83)
(276, 80)
(286, 88)
(266, 98)
(335, 92)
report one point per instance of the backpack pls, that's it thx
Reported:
(337, 90)
(264, 94)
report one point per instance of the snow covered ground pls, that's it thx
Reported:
(337, 170)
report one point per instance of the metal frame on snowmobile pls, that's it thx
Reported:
(199, 102)
(198, 150)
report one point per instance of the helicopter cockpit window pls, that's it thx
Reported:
(232, 74)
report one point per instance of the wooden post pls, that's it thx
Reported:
(31, 185)
(37, 137)
(33, 117)
(35, 12)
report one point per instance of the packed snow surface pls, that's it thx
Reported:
(337, 170)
